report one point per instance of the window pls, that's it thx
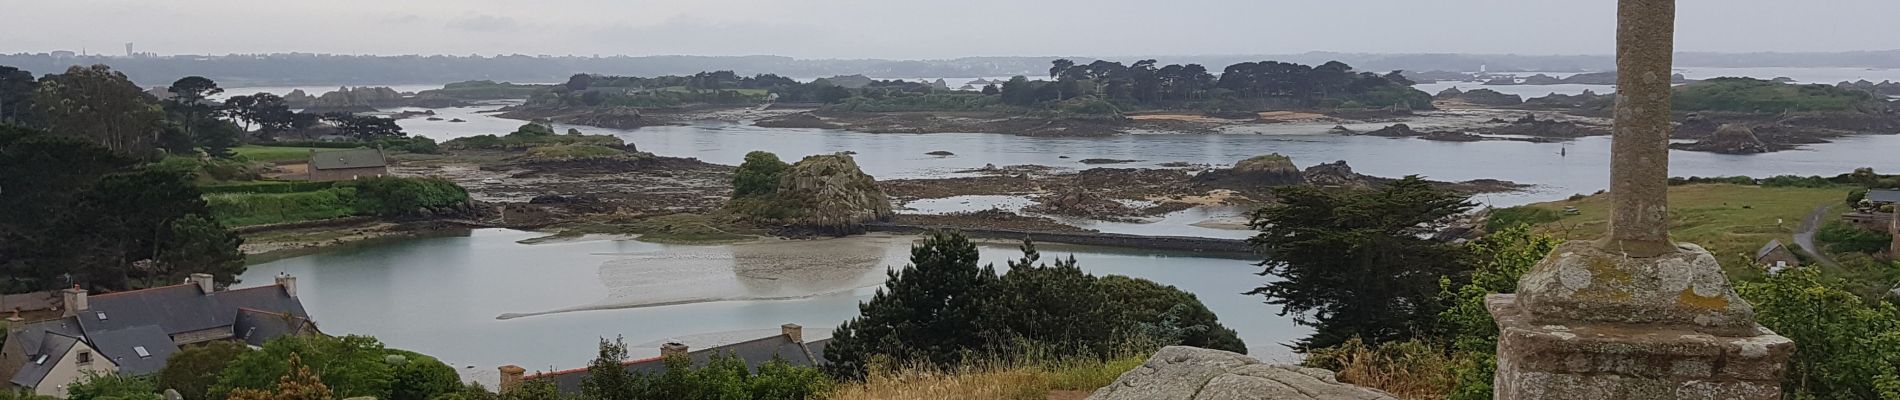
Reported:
(102, 315)
(85, 357)
(142, 352)
(40, 361)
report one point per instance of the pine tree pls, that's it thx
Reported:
(928, 312)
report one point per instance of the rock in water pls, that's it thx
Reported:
(830, 193)
(1729, 139)
(1335, 174)
(1261, 171)
(1188, 373)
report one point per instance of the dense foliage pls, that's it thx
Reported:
(1326, 245)
(942, 311)
(724, 376)
(531, 135)
(1759, 96)
(78, 213)
(1847, 346)
(1842, 237)
(350, 366)
(395, 197)
(758, 175)
(194, 369)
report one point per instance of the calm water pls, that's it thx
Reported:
(441, 296)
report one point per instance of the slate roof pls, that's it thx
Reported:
(121, 346)
(754, 352)
(52, 346)
(31, 334)
(1770, 248)
(1883, 196)
(182, 308)
(255, 327)
(345, 159)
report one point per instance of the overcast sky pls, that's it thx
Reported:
(922, 28)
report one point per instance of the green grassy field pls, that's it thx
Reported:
(1732, 221)
(273, 153)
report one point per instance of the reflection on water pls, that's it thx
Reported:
(441, 295)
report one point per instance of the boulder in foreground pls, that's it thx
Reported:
(1189, 373)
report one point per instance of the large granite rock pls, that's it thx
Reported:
(1260, 171)
(1188, 373)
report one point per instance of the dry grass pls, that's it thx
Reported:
(1408, 370)
(1064, 380)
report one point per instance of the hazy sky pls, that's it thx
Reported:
(922, 28)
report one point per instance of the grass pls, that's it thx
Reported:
(1023, 382)
(246, 209)
(274, 153)
(1732, 221)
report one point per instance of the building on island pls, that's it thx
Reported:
(134, 332)
(789, 345)
(343, 165)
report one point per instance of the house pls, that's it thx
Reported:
(343, 165)
(1776, 256)
(134, 332)
(789, 345)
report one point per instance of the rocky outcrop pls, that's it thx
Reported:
(1541, 79)
(1730, 139)
(1262, 171)
(829, 193)
(1531, 126)
(1335, 174)
(1448, 94)
(355, 100)
(799, 120)
(1188, 373)
(1587, 100)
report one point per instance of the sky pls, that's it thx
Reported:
(921, 29)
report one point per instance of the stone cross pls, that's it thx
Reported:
(1635, 316)
(1639, 150)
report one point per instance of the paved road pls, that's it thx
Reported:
(1804, 235)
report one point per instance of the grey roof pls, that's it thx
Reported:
(344, 159)
(121, 346)
(1769, 248)
(183, 308)
(754, 352)
(31, 334)
(52, 346)
(255, 327)
(1883, 196)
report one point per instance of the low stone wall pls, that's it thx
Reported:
(1177, 243)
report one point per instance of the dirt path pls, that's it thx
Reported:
(1804, 235)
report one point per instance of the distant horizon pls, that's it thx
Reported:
(87, 53)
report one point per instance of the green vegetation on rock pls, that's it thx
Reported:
(531, 135)
(1750, 95)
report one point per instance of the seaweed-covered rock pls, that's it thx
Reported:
(1266, 170)
(830, 193)
(1729, 139)
(1335, 174)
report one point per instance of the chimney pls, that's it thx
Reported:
(673, 349)
(75, 300)
(288, 282)
(204, 281)
(511, 378)
(793, 331)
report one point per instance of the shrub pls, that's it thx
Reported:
(351, 366)
(193, 370)
(277, 187)
(1848, 346)
(104, 386)
(1521, 215)
(1842, 237)
(758, 176)
(393, 196)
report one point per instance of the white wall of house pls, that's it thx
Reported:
(69, 370)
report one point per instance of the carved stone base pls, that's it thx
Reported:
(1554, 360)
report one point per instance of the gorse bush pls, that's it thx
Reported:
(246, 209)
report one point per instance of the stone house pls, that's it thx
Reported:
(343, 165)
(1776, 256)
(789, 345)
(134, 332)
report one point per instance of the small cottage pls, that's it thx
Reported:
(789, 346)
(343, 165)
(1776, 256)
